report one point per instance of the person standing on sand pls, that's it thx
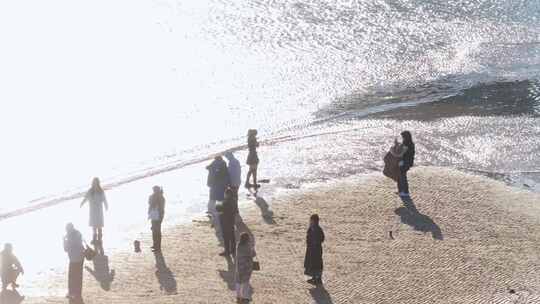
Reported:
(228, 212)
(11, 267)
(73, 245)
(96, 200)
(244, 268)
(313, 262)
(218, 180)
(405, 153)
(235, 172)
(252, 159)
(156, 213)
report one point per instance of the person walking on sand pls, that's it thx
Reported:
(244, 268)
(96, 200)
(313, 262)
(227, 216)
(405, 153)
(218, 180)
(156, 213)
(73, 245)
(235, 172)
(252, 159)
(11, 268)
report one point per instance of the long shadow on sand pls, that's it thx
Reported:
(102, 272)
(11, 297)
(266, 213)
(164, 275)
(228, 275)
(320, 295)
(420, 222)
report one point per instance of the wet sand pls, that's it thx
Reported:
(461, 239)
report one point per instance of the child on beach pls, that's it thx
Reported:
(313, 262)
(252, 159)
(11, 267)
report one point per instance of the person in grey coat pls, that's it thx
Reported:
(244, 268)
(73, 245)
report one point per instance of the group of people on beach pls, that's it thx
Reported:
(224, 180)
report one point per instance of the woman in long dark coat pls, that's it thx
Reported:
(313, 262)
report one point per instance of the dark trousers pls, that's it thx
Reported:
(229, 239)
(156, 234)
(75, 279)
(403, 183)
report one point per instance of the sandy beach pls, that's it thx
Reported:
(461, 239)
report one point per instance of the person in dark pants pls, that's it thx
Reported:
(235, 172)
(73, 245)
(156, 213)
(218, 180)
(228, 212)
(313, 262)
(252, 159)
(406, 155)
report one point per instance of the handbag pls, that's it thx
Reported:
(256, 266)
(89, 253)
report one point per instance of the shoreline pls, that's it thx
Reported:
(493, 234)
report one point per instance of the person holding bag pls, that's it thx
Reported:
(156, 213)
(244, 267)
(73, 245)
(405, 152)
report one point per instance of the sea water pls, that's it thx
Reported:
(146, 92)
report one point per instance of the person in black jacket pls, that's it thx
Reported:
(156, 213)
(313, 262)
(227, 216)
(406, 155)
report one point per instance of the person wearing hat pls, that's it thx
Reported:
(11, 267)
(156, 213)
(73, 245)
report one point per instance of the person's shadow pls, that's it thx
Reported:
(266, 213)
(101, 272)
(76, 301)
(228, 275)
(164, 275)
(10, 297)
(420, 222)
(320, 295)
